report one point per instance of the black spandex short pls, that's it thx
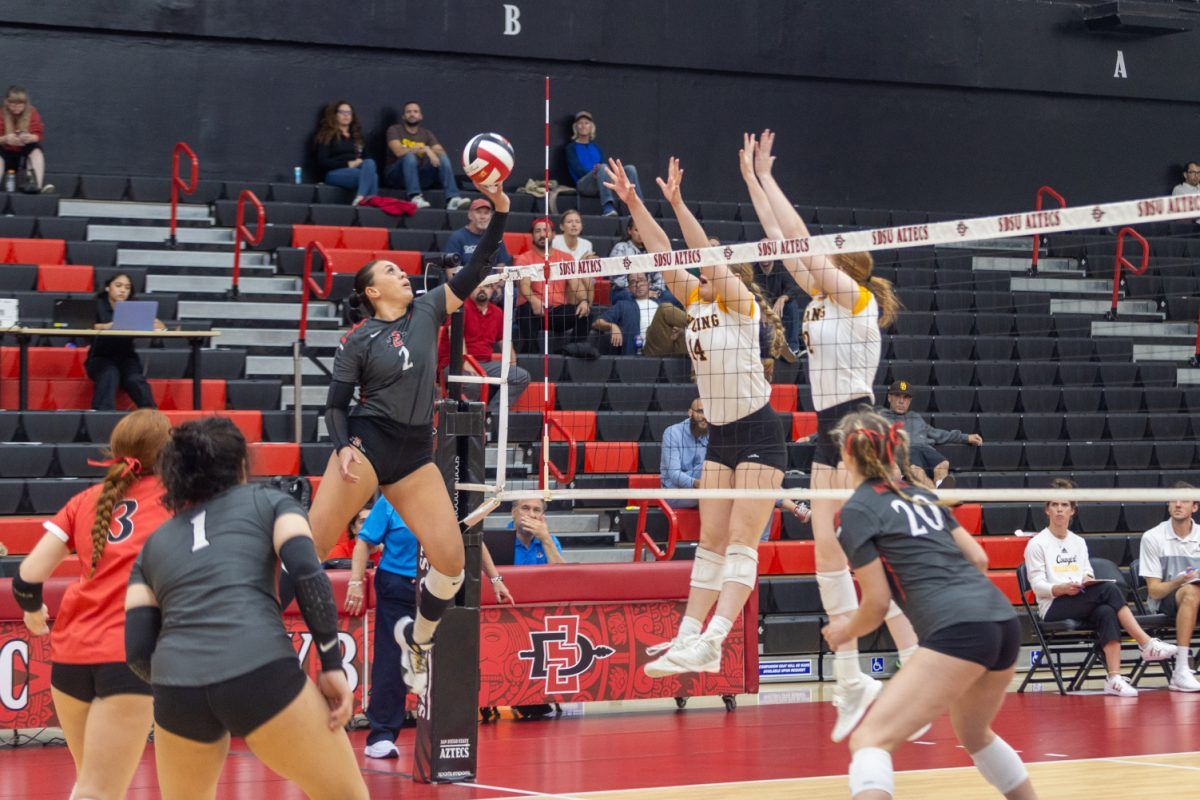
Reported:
(86, 682)
(994, 646)
(754, 439)
(15, 159)
(395, 451)
(238, 706)
(828, 452)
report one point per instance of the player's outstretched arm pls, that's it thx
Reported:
(466, 279)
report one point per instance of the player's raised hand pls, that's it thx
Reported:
(746, 156)
(763, 160)
(672, 187)
(619, 182)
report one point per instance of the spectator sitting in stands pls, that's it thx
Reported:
(658, 324)
(570, 241)
(561, 302)
(21, 139)
(781, 291)
(112, 362)
(464, 240)
(586, 161)
(631, 245)
(1061, 575)
(534, 545)
(1191, 180)
(483, 333)
(339, 143)
(927, 463)
(1170, 560)
(417, 161)
(345, 547)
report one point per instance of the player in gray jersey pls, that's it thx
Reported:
(386, 442)
(901, 543)
(203, 626)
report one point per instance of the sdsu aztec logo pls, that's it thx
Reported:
(397, 340)
(560, 654)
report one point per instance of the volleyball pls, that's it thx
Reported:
(488, 159)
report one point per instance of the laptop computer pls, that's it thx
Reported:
(79, 314)
(135, 315)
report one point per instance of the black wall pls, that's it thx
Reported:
(939, 104)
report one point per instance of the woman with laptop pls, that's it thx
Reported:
(112, 362)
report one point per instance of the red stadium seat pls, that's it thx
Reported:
(581, 425)
(328, 235)
(610, 457)
(407, 260)
(65, 278)
(518, 243)
(645, 482)
(603, 296)
(281, 458)
(1006, 582)
(348, 261)
(787, 558)
(175, 394)
(531, 398)
(248, 422)
(45, 362)
(1004, 552)
(34, 251)
(54, 395)
(970, 516)
(364, 238)
(20, 534)
(784, 396)
(804, 424)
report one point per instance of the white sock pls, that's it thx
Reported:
(907, 653)
(1183, 659)
(718, 628)
(846, 669)
(689, 627)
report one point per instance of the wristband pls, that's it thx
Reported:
(355, 583)
(497, 579)
(28, 595)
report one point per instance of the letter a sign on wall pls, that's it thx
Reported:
(1120, 72)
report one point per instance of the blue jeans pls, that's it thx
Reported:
(414, 174)
(395, 598)
(592, 184)
(364, 180)
(791, 324)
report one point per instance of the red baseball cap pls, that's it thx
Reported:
(479, 202)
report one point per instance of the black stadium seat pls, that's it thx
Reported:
(1001, 456)
(1132, 455)
(1081, 401)
(638, 369)
(1127, 427)
(580, 396)
(1168, 426)
(1045, 455)
(48, 496)
(73, 460)
(996, 373)
(1123, 400)
(618, 426)
(1041, 427)
(954, 348)
(1174, 455)
(1089, 455)
(997, 399)
(997, 427)
(1085, 427)
(675, 397)
(1078, 373)
(629, 397)
(582, 370)
(50, 426)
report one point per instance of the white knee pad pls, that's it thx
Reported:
(441, 585)
(893, 610)
(871, 769)
(741, 565)
(1000, 766)
(707, 569)
(837, 592)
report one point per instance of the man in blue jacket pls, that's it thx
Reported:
(586, 162)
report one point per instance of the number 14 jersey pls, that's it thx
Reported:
(724, 348)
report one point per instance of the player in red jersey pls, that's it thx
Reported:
(104, 709)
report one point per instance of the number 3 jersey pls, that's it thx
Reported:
(394, 363)
(930, 577)
(843, 349)
(724, 348)
(90, 626)
(212, 569)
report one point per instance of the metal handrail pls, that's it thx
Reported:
(242, 235)
(177, 184)
(308, 285)
(642, 538)
(1122, 262)
(572, 456)
(1037, 237)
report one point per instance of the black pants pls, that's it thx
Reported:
(122, 372)
(925, 457)
(563, 320)
(1097, 604)
(395, 597)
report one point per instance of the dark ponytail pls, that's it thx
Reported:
(360, 305)
(202, 459)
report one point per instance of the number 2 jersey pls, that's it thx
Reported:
(725, 353)
(844, 346)
(930, 577)
(90, 625)
(394, 363)
(212, 569)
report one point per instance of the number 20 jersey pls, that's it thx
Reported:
(90, 626)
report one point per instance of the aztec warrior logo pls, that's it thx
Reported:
(559, 654)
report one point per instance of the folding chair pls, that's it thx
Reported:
(1160, 626)
(1068, 637)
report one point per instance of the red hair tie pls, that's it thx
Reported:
(131, 464)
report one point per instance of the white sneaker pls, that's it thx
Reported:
(852, 703)
(455, 203)
(1117, 685)
(381, 749)
(419, 201)
(414, 658)
(1182, 680)
(1158, 650)
(693, 654)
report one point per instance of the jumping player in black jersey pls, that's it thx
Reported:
(203, 626)
(387, 441)
(901, 543)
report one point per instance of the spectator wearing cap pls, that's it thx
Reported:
(657, 323)
(927, 463)
(539, 298)
(586, 162)
(464, 240)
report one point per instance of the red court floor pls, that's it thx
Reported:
(697, 746)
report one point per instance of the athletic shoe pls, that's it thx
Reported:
(419, 201)
(48, 188)
(381, 749)
(1182, 680)
(947, 482)
(609, 210)
(852, 702)
(455, 203)
(666, 664)
(1158, 650)
(414, 658)
(357, 200)
(1117, 685)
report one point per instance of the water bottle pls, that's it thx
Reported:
(638, 341)
(10, 181)
(298, 174)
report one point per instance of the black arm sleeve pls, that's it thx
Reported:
(337, 418)
(314, 595)
(142, 625)
(470, 276)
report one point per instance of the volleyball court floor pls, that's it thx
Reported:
(1081, 746)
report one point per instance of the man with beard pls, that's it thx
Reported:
(558, 300)
(483, 332)
(684, 446)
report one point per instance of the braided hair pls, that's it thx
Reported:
(879, 449)
(778, 338)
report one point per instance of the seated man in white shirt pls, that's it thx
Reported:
(1191, 180)
(1061, 575)
(1170, 558)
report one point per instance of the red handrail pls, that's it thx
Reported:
(572, 457)
(177, 184)
(241, 234)
(308, 285)
(641, 538)
(1037, 237)
(1121, 261)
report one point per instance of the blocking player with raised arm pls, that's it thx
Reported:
(902, 544)
(841, 333)
(746, 448)
(386, 442)
(103, 707)
(204, 626)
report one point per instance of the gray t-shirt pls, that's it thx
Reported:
(930, 578)
(212, 569)
(394, 364)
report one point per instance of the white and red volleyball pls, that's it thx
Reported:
(488, 159)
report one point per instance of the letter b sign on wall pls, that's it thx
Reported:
(512, 20)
